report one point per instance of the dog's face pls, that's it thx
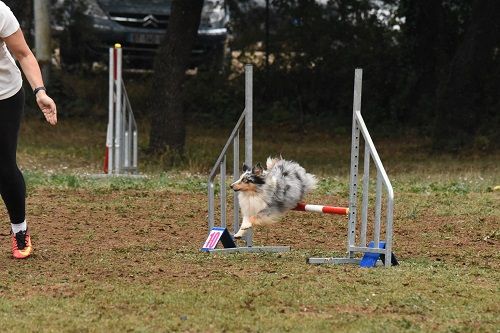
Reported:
(250, 179)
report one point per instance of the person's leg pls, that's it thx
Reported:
(12, 186)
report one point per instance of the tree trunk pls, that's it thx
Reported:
(43, 42)
(168, 128)
(462, 96)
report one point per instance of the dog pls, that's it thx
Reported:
(266, 194)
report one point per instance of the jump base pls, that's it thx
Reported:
(252, 249)
(333, 261)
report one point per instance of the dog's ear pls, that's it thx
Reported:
(245, 167)
(257, 169)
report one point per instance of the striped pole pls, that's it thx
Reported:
(322, 209)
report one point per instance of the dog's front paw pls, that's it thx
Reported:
(241, 233)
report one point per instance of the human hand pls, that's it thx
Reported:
(47, 106)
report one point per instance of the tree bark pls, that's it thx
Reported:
(43, 41)
(168, 128)
(463, 97)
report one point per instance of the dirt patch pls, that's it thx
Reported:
(82, 235)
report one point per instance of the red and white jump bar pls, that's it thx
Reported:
(322, 209)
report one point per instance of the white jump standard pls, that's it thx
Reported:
(376, 249)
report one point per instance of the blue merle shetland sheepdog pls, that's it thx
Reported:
(265, 194)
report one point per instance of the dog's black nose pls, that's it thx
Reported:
(231, 186)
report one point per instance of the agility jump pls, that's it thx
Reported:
(359, 241)
(121, 138)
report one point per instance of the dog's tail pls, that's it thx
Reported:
(293, 178)
(310, 182)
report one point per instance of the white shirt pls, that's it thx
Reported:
(10, 76)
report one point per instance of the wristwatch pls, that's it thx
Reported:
(36, 90)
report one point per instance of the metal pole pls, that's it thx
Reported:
(236, 174)
(130, 136)
(132, 128)
(388, 231)
(211, 205)
(378, 210)
(353, 195)
(111, 113)
(134, 163)
(364, 205)
(43, 43)
(248, 114)
(248, 128)
(123, 139)
(130, 146)
(223, 193)
(126, 139)
(118, 106)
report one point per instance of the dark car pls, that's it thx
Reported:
(139, 26)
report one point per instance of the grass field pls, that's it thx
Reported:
(122, 255)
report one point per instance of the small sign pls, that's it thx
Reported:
(218, 234)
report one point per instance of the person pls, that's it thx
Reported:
(12, 186)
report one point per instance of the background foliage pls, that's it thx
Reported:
(417, 77)
(431, 68)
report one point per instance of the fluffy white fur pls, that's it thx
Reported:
(265, 194)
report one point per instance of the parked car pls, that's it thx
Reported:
(89, 27)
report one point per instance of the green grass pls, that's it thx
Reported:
(173, 181)
(78, 146)
(122, 254)
(281, 295)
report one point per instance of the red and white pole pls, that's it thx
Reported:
(322, 209)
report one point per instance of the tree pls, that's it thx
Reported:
(168, 128)
(468, 93)
(43, 42)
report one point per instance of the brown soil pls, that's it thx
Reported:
(83, 235)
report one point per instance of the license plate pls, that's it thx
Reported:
(145, 38)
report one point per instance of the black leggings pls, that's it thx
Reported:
(12, 186)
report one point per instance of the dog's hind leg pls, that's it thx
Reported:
(266, 216)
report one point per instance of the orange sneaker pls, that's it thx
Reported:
(21, 245)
